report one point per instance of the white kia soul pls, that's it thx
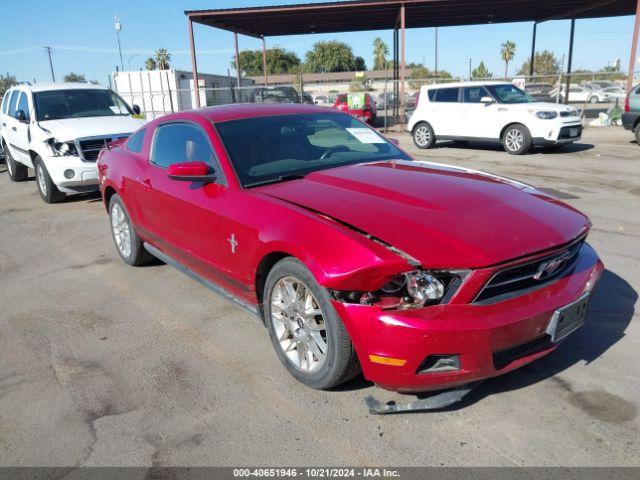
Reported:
(491, 111)
(58, 130)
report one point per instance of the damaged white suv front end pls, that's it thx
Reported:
(58, 130)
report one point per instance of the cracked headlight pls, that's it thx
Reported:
(414, 289)
(62, 149)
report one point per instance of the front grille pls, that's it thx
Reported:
(515, 280)
(89, 148)
(565, 132)
(505, 357)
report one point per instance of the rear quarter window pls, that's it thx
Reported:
(447, 95)
(13, 103)
(5, 100)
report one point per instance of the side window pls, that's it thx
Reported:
(13, 103)
(23, 104)
(449, 95)
(180, 142)
(135, 142)
(474, 94)
(432, 95)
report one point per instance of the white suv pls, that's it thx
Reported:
(491, 111)
(58, 130)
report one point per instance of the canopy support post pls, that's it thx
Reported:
(533, 49)
(264, 62)
(194, 64)
(570, 61)
(402, 63)
(634, 48)
(235, 37)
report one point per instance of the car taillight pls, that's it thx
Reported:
(627, 107)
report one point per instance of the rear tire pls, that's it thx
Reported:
(17, 171)
(423, 135)
(47, 189)
(516, 139)
(127, 242)
(299, 336)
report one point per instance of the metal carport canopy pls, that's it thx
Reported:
(363, 15)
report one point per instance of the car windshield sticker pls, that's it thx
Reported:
(366, 135)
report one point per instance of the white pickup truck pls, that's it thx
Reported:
(58, 130)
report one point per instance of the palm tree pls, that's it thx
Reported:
(380, 52)
(150, 64)
(162, 59)
(507, 52)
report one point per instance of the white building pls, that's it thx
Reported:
(158, 92)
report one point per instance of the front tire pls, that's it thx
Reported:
(516, 139)
(305, 330)
(127, 242)
(47, 189)
(423, 135)
(17, 171)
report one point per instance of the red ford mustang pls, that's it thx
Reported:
(421, 275)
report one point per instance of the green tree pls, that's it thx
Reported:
(279, 61)
(507, 52)
(330, 56)
(481, 72)
(6, 82)
(380, 52)
(74, 77)
(359, 64)
(419, 75)
(545, 64)
(162, 59)
(150, 64)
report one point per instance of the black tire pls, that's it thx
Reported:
(46, 188)
(341, 362)
(17, 171)
(516, 139)
(423, 135)
(136, 254)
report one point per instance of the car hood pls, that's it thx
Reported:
(68, 129)
(442, 216)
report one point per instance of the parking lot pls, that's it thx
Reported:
(105, 364)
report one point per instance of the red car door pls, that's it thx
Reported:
(182, 218)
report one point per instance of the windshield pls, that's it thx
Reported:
(277, 148)
(78, 103)
(508, 94)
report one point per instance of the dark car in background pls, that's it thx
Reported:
(631, 115)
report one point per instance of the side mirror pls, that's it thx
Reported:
(191, 172)
(21, 116)
(136, 109)
(486, 100)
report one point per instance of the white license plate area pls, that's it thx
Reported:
(568, 319)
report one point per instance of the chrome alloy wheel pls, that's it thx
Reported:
(514, 139)
(422, 136)
(121, 231)
(299, 324)
(42, 183)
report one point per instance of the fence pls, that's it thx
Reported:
(176, 95)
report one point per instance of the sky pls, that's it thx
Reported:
(84, 41)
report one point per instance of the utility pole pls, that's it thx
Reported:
(469, 69)
(53, 76)
(118, 26)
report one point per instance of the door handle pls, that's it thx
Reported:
(145, 182)
(14, 129)
(4, 124)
